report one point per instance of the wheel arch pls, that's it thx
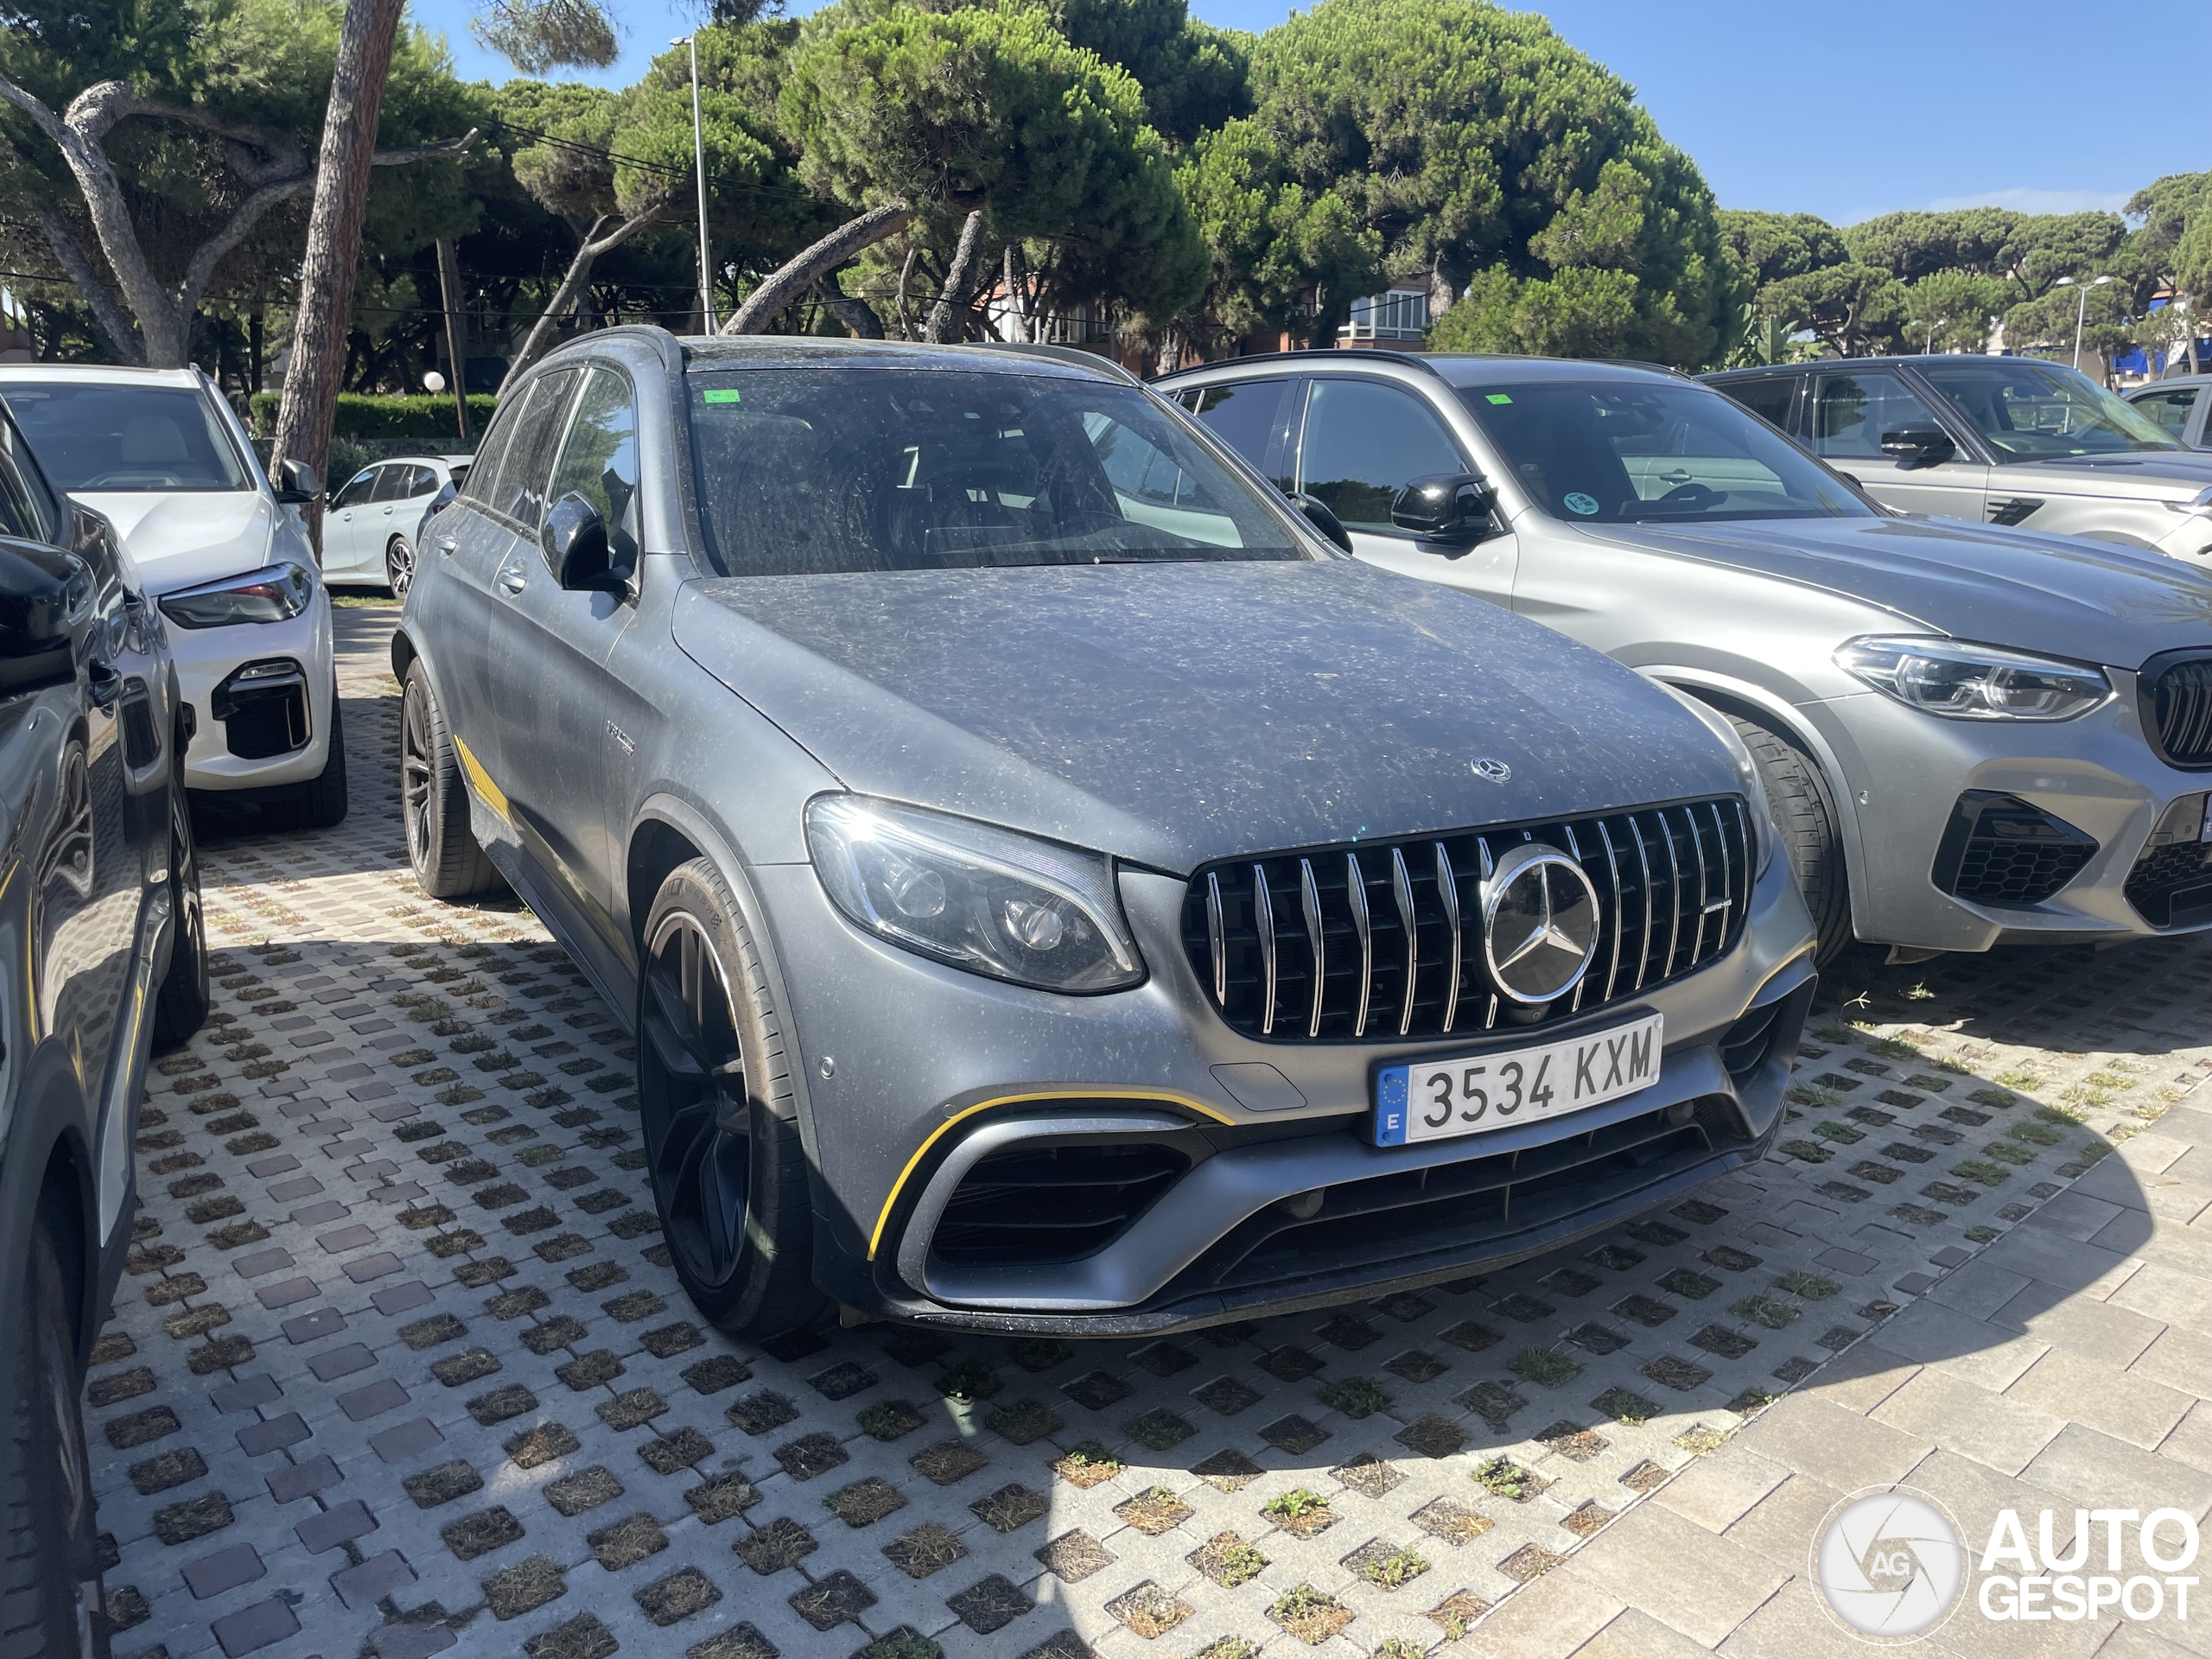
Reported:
(1761, 708)
(403, 654)
(51, 1180)
(669, 832)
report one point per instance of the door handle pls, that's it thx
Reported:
(105, 683)
(446, 545)
(513, 576)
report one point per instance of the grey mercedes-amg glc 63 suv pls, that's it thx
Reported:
(1053, 889)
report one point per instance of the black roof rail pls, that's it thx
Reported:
(1069, 354)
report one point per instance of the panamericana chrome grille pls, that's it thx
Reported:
(1381, 940)
(2180, 698)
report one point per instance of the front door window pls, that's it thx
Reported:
(1365, 442)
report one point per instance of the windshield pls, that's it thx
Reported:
(2040, 411)
(1632, 451)
(126, 437)
(804, 472)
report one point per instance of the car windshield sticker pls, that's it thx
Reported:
(1576, 501)
(1499, 398)
(723, 396)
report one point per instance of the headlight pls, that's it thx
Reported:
(2198, 505)
(277, 592)
(1747, 772)
(1963, 682)
(981, 898)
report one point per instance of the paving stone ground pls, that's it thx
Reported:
(398, 1365)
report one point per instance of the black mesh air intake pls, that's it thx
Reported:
(2000, 851)
(1053, 1204)
(2171, 883)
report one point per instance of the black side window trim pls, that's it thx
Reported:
(560, 420)
(1963, 432)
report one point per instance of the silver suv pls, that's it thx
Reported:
(1995, 439)
(1968, 733)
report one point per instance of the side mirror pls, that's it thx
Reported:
(297, 483)
(1920, 446)
(1318, 514)
(1443, 505)
(43, 597)
(575, 539)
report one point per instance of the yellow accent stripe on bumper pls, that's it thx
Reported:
(883, 1220)
(480, 780)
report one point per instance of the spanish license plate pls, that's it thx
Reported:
(1435, 1100)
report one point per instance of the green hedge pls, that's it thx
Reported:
(360, 416)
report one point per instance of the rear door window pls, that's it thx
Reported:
(1772, 399)
(527, 466)
(1246, 415)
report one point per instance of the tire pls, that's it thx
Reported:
(448, 859)
(399, 566)
(722, 1144)
(320, 803)
(180, 1005)
(1805, 812)
(51, 1602)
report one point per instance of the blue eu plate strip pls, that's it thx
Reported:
(1390, 1106)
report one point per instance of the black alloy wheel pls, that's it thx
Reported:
(399, 566)
(702, 1166)
(443, 851)
(722, 1144)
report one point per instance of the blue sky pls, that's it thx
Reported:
(1846, 114)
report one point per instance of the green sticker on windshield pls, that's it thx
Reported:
(724, 396)
(1499, 398)
(1578, 502)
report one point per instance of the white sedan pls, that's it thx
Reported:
(368, 531)
(164, 458)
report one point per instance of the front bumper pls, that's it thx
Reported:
(207, 657)
(918, 1075)
(1907, 771)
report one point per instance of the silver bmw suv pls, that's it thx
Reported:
(1053, 889)
(1969, 734)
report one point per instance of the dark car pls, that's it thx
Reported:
(1052, 888)
(102, 953)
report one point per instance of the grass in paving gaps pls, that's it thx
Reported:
(1769, 1311)
(1395, 1570)
(1810, 1285)
(1503, 1477)
(1355, 1396)
(1228, 1560)
(1311, 1614)
(1701, 1440)
(1551, 1368)
(2041, 1134)
(1088, 1465)
(1988, 1174)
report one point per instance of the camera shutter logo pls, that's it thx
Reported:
(1890, 1564)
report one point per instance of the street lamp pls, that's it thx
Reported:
(699, 158)
(2081, 311)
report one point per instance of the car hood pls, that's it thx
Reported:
(2061, 594)
(2164, 475)
(1173, 713)
(189, 536)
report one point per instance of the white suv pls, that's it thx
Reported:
(163, 457)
